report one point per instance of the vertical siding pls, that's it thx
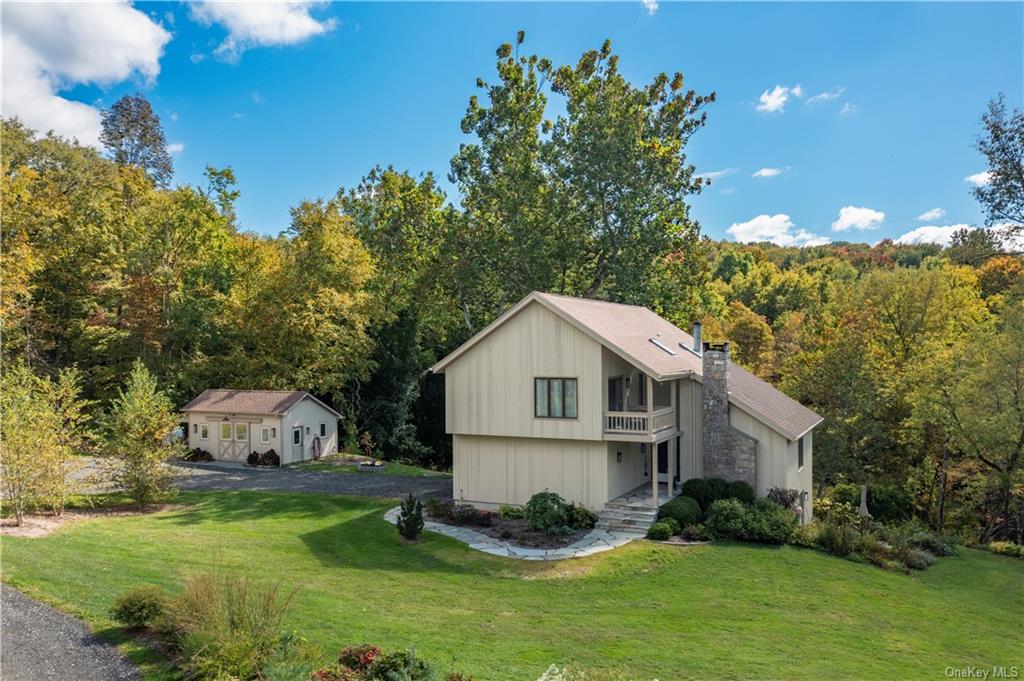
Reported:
(776, 455)
(627, 474)
(691, 411)
(489, 389)
(308, 414)
(489, 471)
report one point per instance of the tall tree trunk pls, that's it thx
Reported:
(944, 479)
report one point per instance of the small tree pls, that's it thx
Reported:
(410, 518)
(140, 438)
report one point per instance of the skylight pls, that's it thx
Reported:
(663, 346)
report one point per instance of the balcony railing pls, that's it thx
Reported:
(639, 422)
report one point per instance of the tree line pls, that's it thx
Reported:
(911, 352)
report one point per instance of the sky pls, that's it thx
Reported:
(833, 121)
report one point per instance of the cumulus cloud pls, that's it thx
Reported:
(260, 24)
(826, 96)
(778, 229)
(716, 174)
(854, 217)
(930, 234)
(848, 109)
(979, 179)
(770, 172)
(775, 99)
(49, 47)
(175, 147)
(651, 6)
(933, 214)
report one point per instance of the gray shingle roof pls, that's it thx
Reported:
(627, 330)
(274, 402)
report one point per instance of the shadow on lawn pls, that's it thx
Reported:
(246, 506)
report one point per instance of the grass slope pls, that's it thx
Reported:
(645, 610)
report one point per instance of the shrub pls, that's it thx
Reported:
(804, 535)
(198, 454)
(846, 493)
(768, 523)
(439, 508)
(270, 458)
(916, 559)
(934, 544)
(1007, 548)
(546, 512)
(293, 658)
(139, 607)
(684, 510)
(836, 539)
(786, 498)
(410, 518)
(464, 514)
(227, 626)
(335, 673)
(889, 503)
(253, 459)
(398, 665)
(697, 489)
(740, 490)
(660, 530)
(726, 519)
(359, 657)
(506, 512)
(580, 517)
(694, 533)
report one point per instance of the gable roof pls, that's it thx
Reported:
(627, 331)
(269, 402)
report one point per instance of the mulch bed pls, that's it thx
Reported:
(515, 532)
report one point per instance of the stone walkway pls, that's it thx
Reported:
(595, 541)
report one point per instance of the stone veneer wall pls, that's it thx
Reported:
(728, 453)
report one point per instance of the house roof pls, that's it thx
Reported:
(270, 402)
(628, 330)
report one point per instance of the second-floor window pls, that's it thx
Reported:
(554, 398)
(800, 453)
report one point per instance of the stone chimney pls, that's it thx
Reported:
(728, 453)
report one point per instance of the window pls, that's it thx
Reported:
(555, 398)
(323, 429)
(195, 427)
(273, 432)
(265, 434)
(297, 436)
(800, 453)
(242, 431)
(204, 432)
(225, 431)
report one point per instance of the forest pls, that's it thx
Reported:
(914, 354)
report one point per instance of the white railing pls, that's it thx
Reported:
(639, 422)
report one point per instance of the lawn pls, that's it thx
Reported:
(389, 468)
(642, 611)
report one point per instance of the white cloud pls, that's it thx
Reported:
(175, 147)
(848, 109)
(770, 172)
(930, 234)
(775, 99)
(979, 179)
(174, 115)
(715, 174)
(651, 6)
(49, 47)
(826, 96)
(260, 24)
(778, 229)
(853, 217)
(933, 214)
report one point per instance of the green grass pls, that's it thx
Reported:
(389, 468)
(642, 611)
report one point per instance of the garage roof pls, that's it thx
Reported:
(268, 402)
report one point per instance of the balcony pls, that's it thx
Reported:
(640, 425)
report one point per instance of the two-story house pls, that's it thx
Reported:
(597, 400)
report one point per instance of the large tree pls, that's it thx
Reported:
(1002, 144)
(133, 135)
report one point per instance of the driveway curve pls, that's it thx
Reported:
(38, 643)
(219, 476)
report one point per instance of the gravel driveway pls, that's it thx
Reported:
(37, 643)
(223, 476)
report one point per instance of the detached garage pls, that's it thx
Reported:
(230, 424)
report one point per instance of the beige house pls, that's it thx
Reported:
(598, 400)
(230, 424)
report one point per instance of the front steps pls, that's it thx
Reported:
(620, 515)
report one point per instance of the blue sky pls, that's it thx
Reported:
(861, 117)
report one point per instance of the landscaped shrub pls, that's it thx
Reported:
(738, 489)
(889, 503)
(726, 519)
(399, 665)
(684, 510)
(506, 512)
(580, 517)
(464, 514)
(410, 518)
(198, 454)
(293, 658)
(694, 533)
(139, 607)
(1007, 548)
(804, 535)
(768, 523)
(846, 493)
(697, 489)
(439, 508)
(661, 530)
(546, 512)
(270, 458)
(227, 626)
(253, 459)
(359, 657)
(916, 559)
(335, 673)
(786, 498)
(934, 544)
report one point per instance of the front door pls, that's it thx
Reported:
(663, 461)
(615, 394)
(296, 444)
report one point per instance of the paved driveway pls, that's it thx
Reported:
(37, 643)
(221, 476)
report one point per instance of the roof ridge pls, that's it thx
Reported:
(597, 300)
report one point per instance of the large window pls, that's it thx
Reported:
(204, 431)
(225, 431)
(242, 431)
(265, 435)
(554, 398)
(800, 453)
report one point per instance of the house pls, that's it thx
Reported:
(598, 400)
(232, 423)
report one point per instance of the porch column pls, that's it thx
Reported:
(654, 473)
(672, 454)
